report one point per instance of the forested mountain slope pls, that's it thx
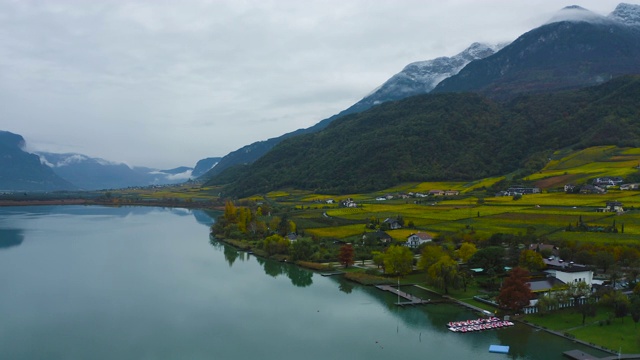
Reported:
(445, 137)
(416, 78)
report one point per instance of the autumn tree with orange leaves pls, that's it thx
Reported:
(515, 292)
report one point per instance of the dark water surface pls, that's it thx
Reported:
(81, 282)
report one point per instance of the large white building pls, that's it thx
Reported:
(560, 273)
(568, 272)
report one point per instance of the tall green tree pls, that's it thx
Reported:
(531, 260)
(577, 290)
(466, 251)
(444, 273)
(378, 258)
(546, 303)
(302, 249)
(430, 255)
(588, 308)
(398, 260)
(284, 226)
(276, 244)
(489, 258)
(465, 277)
(618, 302)
(604, 260)
(230, 212)
(634, 309)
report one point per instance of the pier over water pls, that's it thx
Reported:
(411, 299)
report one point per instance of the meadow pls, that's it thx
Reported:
(545, 215)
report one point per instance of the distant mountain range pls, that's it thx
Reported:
(20, 170)
(89, 173)
(45, 171)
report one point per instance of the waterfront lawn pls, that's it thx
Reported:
(616, 335)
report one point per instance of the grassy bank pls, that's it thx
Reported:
(617, 334)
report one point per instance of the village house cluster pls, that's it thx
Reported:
(518, 190)
(600, 186)
(413, 241)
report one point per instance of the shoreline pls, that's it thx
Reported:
(89, 202)
(473, 308)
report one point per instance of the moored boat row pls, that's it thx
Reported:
(478, 325)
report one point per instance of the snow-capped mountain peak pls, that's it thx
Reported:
(628, 14)
(575, 13)
(422, 76)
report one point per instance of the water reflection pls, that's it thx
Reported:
(230, 254)
(215, 243)
(518, 340)
(205, 217)
(10, 238)
(345, 287)
(299, 277)
(16, 223)
(273, 268)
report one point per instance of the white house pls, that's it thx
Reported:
(560, 273)
(634, 186)
(415, 240)
(394, 224)
(568, 272)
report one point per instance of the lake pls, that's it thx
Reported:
(89, 282)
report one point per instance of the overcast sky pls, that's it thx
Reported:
(166, 83)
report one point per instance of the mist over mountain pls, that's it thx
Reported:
(46, 171)
(204, 165)
(576, 48)
(416, 78)
(23, 171)
(90, 173)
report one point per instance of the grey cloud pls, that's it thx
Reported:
(164, 84)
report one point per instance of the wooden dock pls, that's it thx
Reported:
(410, 299)
(335, 273)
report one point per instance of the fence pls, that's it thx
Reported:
(533, 309)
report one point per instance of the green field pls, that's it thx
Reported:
(546, 214)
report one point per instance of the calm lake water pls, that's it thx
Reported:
(81, 282)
